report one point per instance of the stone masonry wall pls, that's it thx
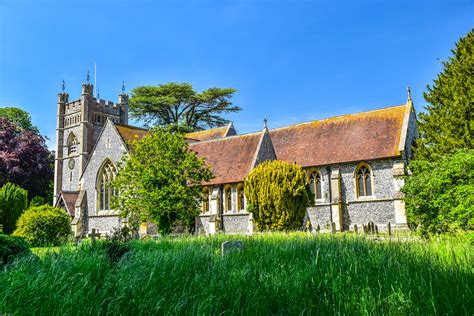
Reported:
(114, 152)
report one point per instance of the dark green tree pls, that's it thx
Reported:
(19, 117)
(440, 196)
(178, 104)
(160, 181)
(448, 122)
(278, 194)
(13, 201)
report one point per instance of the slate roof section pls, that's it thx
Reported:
(69, 199)
(230, 158)
(213, 133)
(354, 137)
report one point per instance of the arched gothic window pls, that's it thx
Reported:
(105, 192)
(363, 178)
(205, 200)
(228, 198)
(240, 198)
(71, 144)
(315, 183)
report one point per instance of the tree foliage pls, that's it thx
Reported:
(19, 117)
(178, 104)
(160, 181)
(13, 201)
(277, 194)
(24, 159)
(11, 248)
(448, 123)
(44, 226)
(440, 195)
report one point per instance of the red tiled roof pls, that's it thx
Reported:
(213, 133)
(130, 133)
(230, 158)
(353, 137)
(70, 198)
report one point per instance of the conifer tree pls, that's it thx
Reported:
(13, 201)
(448, 122)
(277, 194)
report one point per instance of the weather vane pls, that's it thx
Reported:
(123, 86)
(88, 77)
(265, 123)
(98, 94)
(63, 86)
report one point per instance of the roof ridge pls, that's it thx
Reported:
(225, 138)
(338, 116)
(130, 126)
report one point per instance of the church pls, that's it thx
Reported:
(355, 165)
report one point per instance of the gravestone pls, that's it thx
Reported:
(93, 234)
(230, 247)
(355, 228)
(389, 229)
(333, 227)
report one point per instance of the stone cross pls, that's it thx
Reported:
(94, 234)
(231, 246)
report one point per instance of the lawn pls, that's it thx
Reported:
(288, 274)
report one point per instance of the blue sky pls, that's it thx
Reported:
(291, 61)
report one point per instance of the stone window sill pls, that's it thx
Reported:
(242, 212)
(108, 212)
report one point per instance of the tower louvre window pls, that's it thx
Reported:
(71, 144)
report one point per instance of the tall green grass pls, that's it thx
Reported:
(274, 274)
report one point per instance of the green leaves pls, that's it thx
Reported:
(160, 181)
(439, 196)
(448, 123)
(277, 195)
(179, 104)
(44, 226)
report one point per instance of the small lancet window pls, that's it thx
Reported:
(205, 200)
(228, 198)
(363, 181)
(240, 198)
(315, 182)
(105, 191)
(71, 144)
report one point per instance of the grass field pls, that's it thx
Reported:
(274, 274)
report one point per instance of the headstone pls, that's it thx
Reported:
(355, 228)
(389, 229)
(231, 246)
(94, 234)
(309, 226)
(333, 227)
(318, 228)
(376, 229)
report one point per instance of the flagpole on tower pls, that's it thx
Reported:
(95, 77)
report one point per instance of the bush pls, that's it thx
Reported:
(37, 201)
(13, 201)
(44, 226)
(11, 248)
(439, 196)
(277, 194)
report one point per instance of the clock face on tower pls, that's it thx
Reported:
(71, 163)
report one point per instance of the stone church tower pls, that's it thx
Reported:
(79, 124)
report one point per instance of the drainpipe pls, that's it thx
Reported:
(328, 169)
(221, 208)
